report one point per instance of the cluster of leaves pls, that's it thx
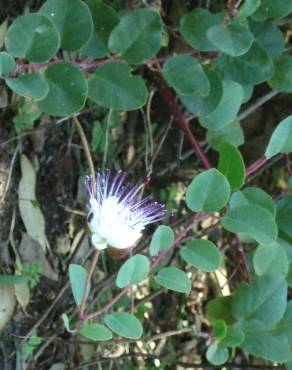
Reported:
(229, 53)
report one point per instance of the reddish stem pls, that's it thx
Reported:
(170, 100)
(256, 166)
(109, 305)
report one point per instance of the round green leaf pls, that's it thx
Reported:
(233, 39)
(209, 191)
(96, 332)
(216, 354)
(219, 329)
(77, 276)
(134, 270)
(253, 195)
(73, 21)
(67, 90)
(231, 165)
(31, 86)
(7, 63)
(162, 239)
(265, 342)
(281, 139)
(138, 36)
(232, 133)
(174, 279)
(94, 48)
(270, 36)
(193, 78)
(254, 67)
(197, 104)
(227, 108)
(33, 37)
(124, 324)
(105, 18)
(273, 9)
(248, 8)
(252, 220)
(234, 336)
(113, 86)
(202, 254)
(265, 299)
(271, 260)
(284, 215)
(195, 25)
(282, 78)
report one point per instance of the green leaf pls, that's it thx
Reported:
(265, 300)
(252, 220)
(199, 105)
(113, 86)
(253, 195)
(248, 8)
(216, 354)
(31, 86)
(273, 9)
(66, 322)
(7, 63)
(253, 67)
(96, 332)
(94, 48)
(105, 18)
(192, 80)
(271, 260)
(281, 79)
(284, 215)
(124, 324)
(162, 239)
(13, 279)
(209, 191)
(68, 90)
(281, 139)
(174, 279)
(284, 326)
(220, 309)
(262, 341)
(231, 165)
(134, 270)
(138, 35)
(202, 254)
(195, 25)
(77, 276)
(97, 134)
(270, 36)
(220, 329)
(227, 108)
(68, 17)
(231, 133)
(33, 37)
(233, 39)
(234, 336)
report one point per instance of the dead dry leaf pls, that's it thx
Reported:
(3, 28)
(57, 366)
(22, 294)
(30, 211)
(32, 252)
(7, 304)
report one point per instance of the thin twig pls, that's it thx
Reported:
(86, 149)
(258, 103)
(170, 100)
(9, 175)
